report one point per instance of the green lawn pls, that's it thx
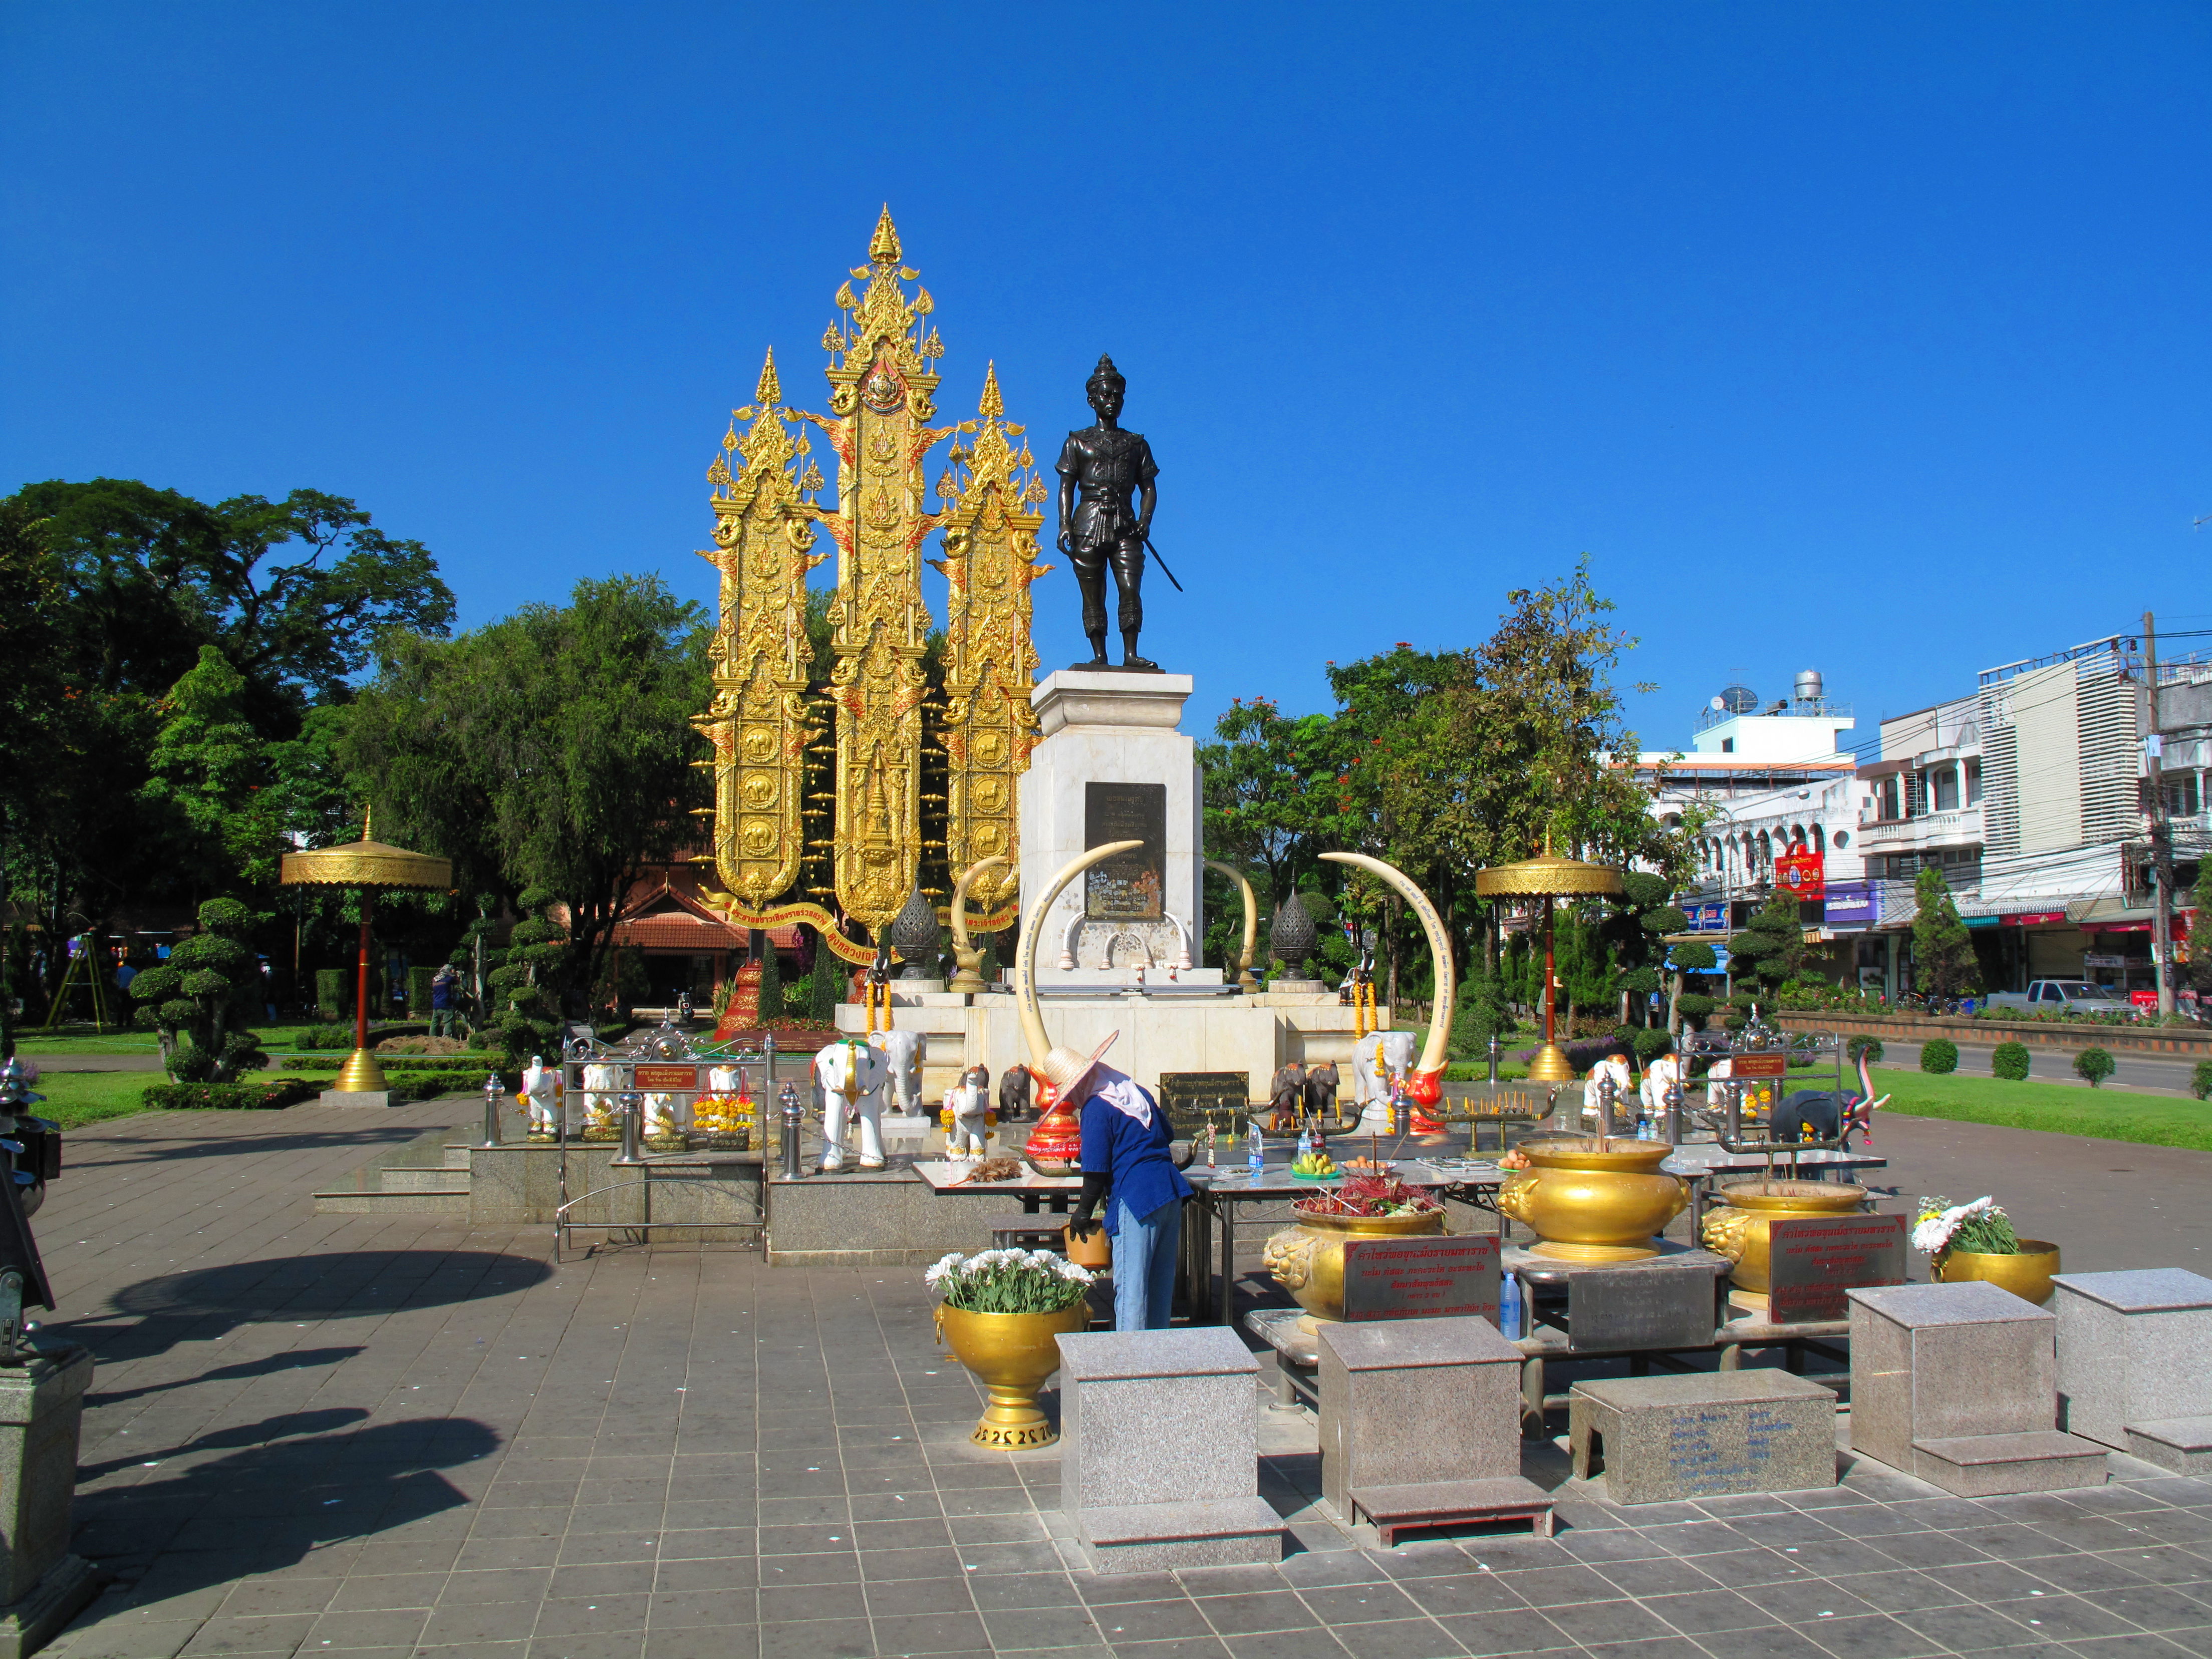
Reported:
(2109, 1114)
(116, 1042)
(76, 1099)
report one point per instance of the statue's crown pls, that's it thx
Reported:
(1104, 375)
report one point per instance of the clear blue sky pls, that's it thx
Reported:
(1872, 338)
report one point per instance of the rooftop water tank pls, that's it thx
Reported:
(1808, 686)
(1739, 699)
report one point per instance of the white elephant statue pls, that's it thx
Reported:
(968, 1107)
(542, 1089)
(1380, 1060)
(905, 1050)
(602, 1089)
(848, 1082)
(660, 1122)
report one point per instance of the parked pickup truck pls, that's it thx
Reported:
(2062, 996)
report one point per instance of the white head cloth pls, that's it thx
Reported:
(1120, 1091)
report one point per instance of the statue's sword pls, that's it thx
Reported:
(1164, 571)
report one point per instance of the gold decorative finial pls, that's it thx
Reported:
(367, 816)
(992, 405)
(770, 390)
(884, 247)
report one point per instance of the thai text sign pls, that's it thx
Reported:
(1812, 1260)
(1432, 1278)
(666, 1077)
(1130, 886)
(1774, 1065)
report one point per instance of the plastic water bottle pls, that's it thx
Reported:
(1255, 1150)
(1509, 1306)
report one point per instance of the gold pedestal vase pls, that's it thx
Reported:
(1013, 1354)
(1588, 1204)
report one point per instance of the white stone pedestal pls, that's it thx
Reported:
(1101, 727)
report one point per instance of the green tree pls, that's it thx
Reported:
(2200, 931)
(1265, 797)
(551, 750)
(34, 656)
(207, 793)
(295, 592)
(1682, 1003)
(1943, 962)
(1767, 953)
(526, 1008)
(201, 999)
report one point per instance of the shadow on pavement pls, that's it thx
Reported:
(292, 1359)
(305, 1480)
(208, 1302)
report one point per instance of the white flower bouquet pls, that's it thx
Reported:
(1008, 1282)
(1981, 1228)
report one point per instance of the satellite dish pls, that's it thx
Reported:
(1718, 704)
(1739, 699)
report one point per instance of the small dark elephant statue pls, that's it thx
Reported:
(1286, 1098)
(1321, 1090)
(1014, 1094)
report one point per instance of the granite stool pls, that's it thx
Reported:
(1420, 1425)
(1160, 1460)
(2134, 1364)
(1958, 1384)
(1703, 1434)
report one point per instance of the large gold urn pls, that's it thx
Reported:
(1308, 1260)
(1591, 1205)
(1012, 1354)
(1738, 1229)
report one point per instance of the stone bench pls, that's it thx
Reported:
(1703, 1434)
(1159, 1461)
(1420, 1425)
(2134, 1364)
(1957, 1385)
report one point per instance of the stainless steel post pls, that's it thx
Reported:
(1605, 1091)
(632, 1104)
(794, 1115)
(1493, 1060)
(1674, 1113)
(492, 1090)
(768, 1053)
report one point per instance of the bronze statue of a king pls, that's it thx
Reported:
(1101, 468)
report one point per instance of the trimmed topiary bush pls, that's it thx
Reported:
(197, 1000)
(2009, 1061)
(2095, 1064)
(2200, 1080)
(270, 1095)
(1862, 1044)
(1651, 1043)
(1939, 1056)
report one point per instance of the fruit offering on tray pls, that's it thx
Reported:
(1314, 1166)
(1370, 1195)
(1368, 1166)
(1516, 1159)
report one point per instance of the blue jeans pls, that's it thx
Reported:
(1145, 1266)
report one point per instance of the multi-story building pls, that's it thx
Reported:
(2029, 797)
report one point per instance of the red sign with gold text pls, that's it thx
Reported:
(667, 1077)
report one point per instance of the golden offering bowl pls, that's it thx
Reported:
(1591, 1205)
(2027, 1275)
(1308, 1260)
(1013, 1354)
(1738, 1230)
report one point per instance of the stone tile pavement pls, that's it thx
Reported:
(346, 1435)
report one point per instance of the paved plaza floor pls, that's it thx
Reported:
(356, 1435)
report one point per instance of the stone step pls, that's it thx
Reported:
(1453, 1503)
(354, 1202)
(416, 1178)
(1989, 1465)
(2183, 1444)
(1224, 1532)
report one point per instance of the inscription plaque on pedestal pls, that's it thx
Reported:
(1131, 886)
(665, 1076)
(1429, 1278)
(1812, 1260)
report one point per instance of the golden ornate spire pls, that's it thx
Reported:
(992, 405)
(884, 247)
(770, 390)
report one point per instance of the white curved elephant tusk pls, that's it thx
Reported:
(1025, 996)
(1251, 911)
(1432, 925)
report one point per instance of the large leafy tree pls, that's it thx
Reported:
(294, 592)
(207, 795)
(1943, 961)
(549, 750)
(1767, 953)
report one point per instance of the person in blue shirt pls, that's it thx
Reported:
(1126, 1163)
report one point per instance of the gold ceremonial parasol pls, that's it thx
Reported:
(1548, 877)
(365, 866)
